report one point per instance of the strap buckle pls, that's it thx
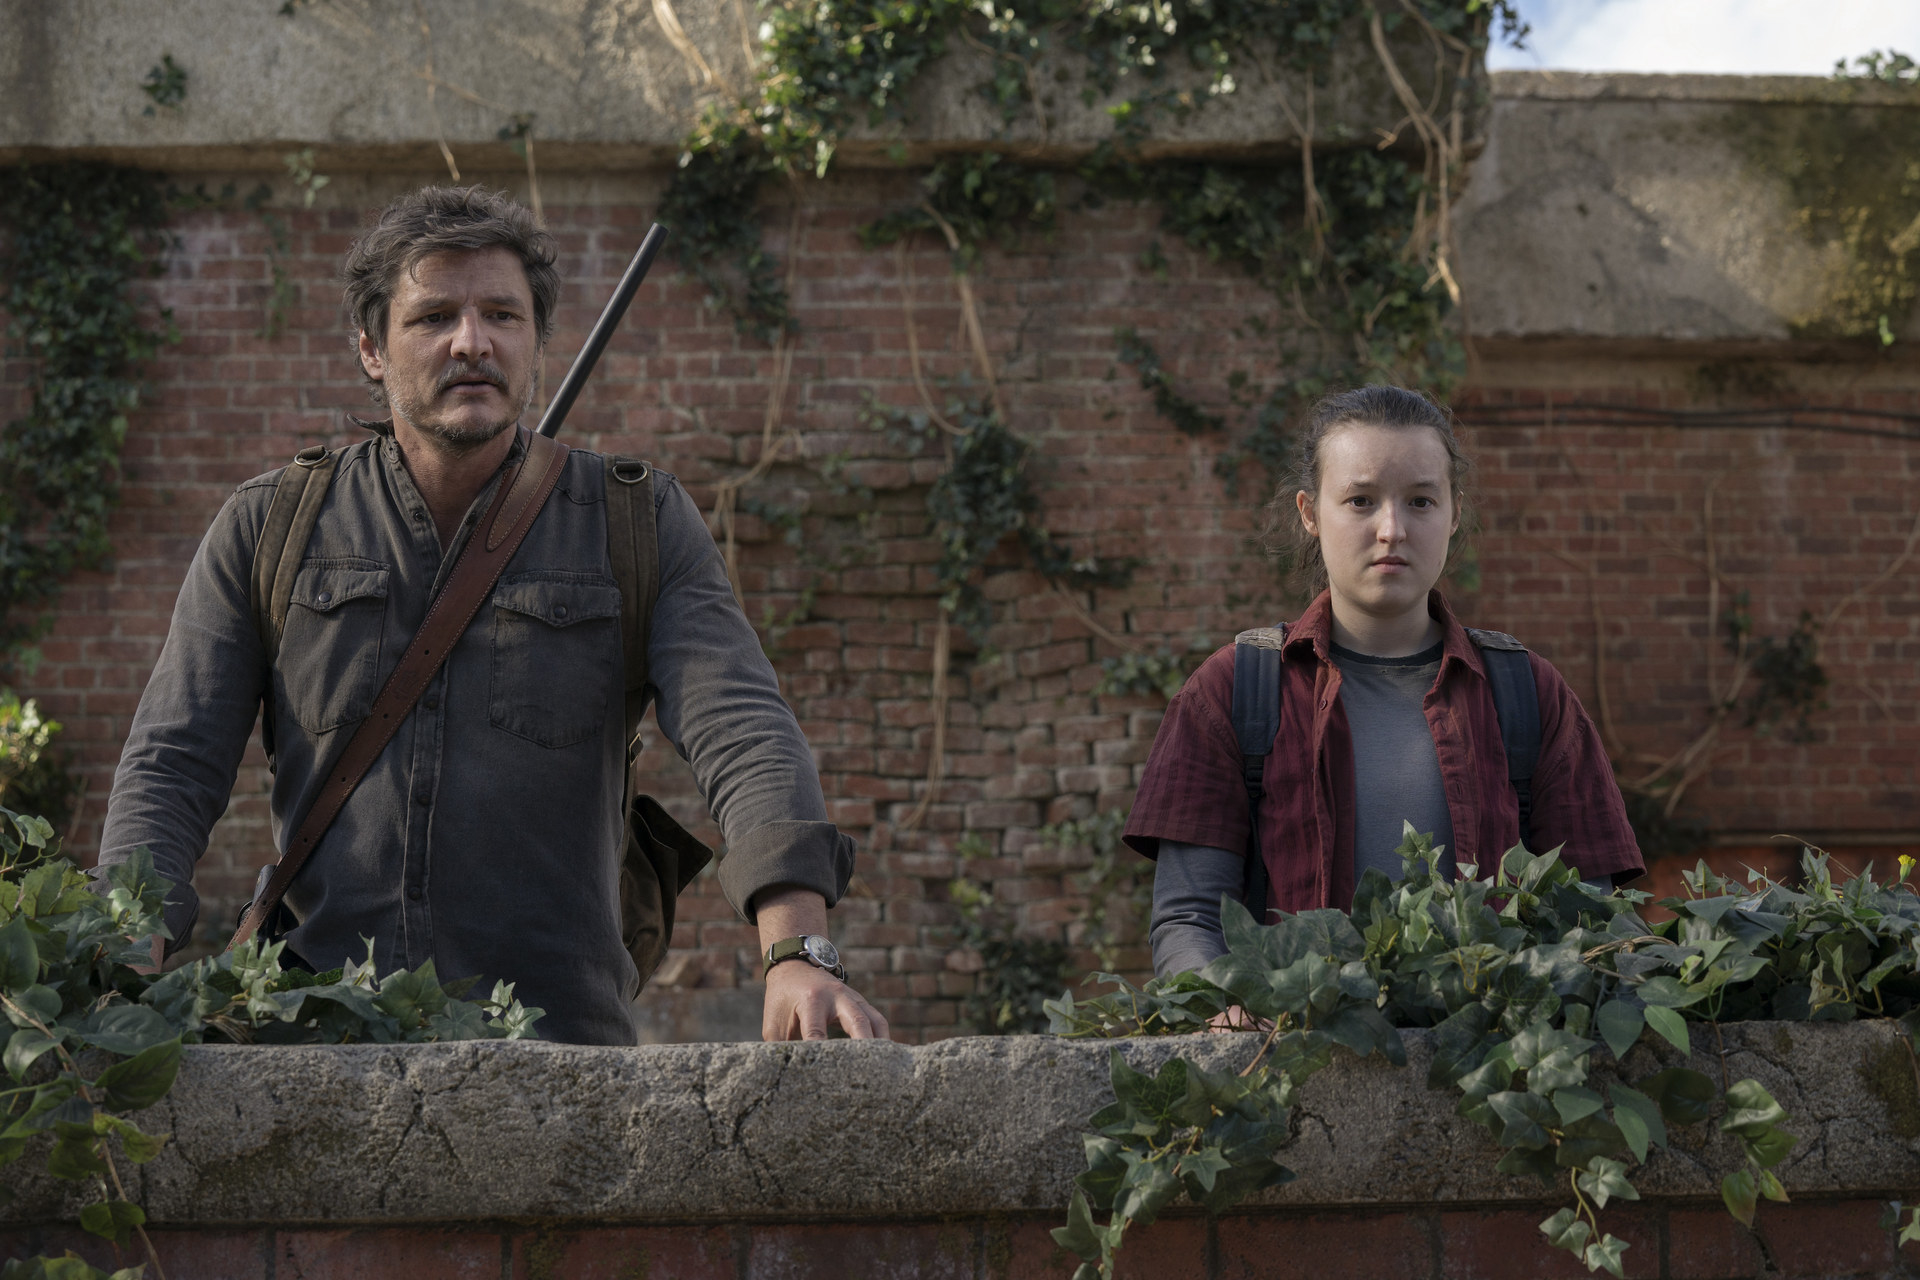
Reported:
(623, 466)
(311, 456)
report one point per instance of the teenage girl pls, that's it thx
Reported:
(1386, 713)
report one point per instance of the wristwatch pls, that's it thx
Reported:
(811, 947)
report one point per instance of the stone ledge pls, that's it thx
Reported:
(607, 87)
(1616, 86)
(1663, 208)
(691, 1133)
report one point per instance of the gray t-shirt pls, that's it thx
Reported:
(1396, 768)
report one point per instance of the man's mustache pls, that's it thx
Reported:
(479, 371)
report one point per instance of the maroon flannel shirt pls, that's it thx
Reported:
(1193, 791)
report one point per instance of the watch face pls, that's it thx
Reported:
(822, 952)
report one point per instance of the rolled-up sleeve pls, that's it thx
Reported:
(183, 752)
(718, 701)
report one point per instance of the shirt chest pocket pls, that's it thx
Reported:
(556, 656)
(329, 667)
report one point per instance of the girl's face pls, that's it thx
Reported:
(1384, 515)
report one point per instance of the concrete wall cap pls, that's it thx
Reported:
(496, 1130)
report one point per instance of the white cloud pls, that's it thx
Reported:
(1750, 37)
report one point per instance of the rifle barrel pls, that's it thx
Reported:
(602, 330)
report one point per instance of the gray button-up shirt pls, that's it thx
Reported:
(488, 835)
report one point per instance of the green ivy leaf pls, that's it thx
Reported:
(1364, 1030)
(1606, 1180)
(19, 957)
(1670, 1025)
(1150, 1185)
(1668, 993)
(1606, 1255)
(1769, 1186)
(141, 1147)
(39, 1002)
(1639, 1119)
(23, 1048)
(1524, 1119)
(1740, 1193)
(76, 1153)
(142, 1080)
(1619, 1023)
(1567, 1230)
(1575, 1103)
(1589, 1139)
(1080, 1236)
(1459, 1045)
(123, 1028)
(114, 1219)
(1684, 1096)
(1770, 1147)
(1751, 1110)
(1204, 1166)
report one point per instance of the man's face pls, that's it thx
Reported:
(1384, 516)
(460, 348)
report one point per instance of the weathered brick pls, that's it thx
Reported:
(616, 1253)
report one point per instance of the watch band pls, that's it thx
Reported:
(810, 947)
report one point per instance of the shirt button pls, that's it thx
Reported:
(323, 597)
(413, 893)
(423, 797)
(431, 702)
(418, 514)
(559, 612)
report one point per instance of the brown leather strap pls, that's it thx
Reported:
(632, 547)
(482, 560)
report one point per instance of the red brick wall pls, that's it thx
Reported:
(1800, 519)
(1801, 1241)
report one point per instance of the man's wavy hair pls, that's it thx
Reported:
(441, 220)
(1288, 541)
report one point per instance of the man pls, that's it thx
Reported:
(487, 835)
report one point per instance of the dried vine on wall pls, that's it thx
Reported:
(1353, 246)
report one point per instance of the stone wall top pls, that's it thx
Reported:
(485, 1131)
(1689, 208)
(609, 85)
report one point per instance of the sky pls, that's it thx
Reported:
(1751, 37)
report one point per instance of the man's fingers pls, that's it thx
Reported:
(856, 1018)
(814, 1015)
(878, 1021)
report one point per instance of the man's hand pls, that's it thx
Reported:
(804, 1002)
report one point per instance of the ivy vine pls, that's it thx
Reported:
(93, 1037)
(1523, 976)
(78, 236)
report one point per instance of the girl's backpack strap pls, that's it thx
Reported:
(1517, 702)
(1256, 723)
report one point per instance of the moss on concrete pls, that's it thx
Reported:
(1852, 180)
(1889, 1075)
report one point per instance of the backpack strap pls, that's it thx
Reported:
(1517, 702)
(661, 858)
(297, 498)
(1256, 723)
(633, 547)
